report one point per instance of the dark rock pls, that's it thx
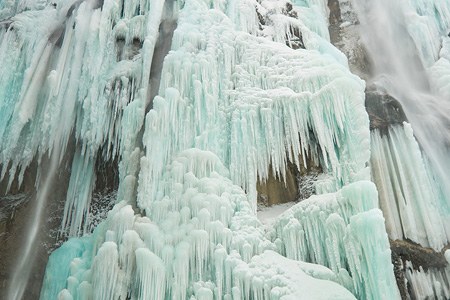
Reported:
(399, 273)
(335, 12)
(18, 210)
(422, 259)
(295, 41)
(298, 184)
(418, 255)
(347, 39)
(383, 110)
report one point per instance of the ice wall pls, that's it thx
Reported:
(252, 103)
(235, 99)
(341, 231)
(74, 71)
(407, 45)
(415, 206)
(199, 242)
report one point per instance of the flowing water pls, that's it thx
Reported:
(27, 254)
(401, 69)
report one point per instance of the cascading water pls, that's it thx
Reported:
(27, 254)
(404, 42)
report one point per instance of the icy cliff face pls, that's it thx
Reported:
(247, 88)
(407, 45)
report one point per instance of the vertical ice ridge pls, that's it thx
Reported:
(341, 231)
(62, 79)
(415, 205)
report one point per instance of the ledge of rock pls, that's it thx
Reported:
(383, 110)
(418, 255)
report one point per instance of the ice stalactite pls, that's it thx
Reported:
(232, 93)
(81, 71)
(428, 283)
(73, 72)
(404, 181)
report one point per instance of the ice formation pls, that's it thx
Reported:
(246, 87)
(395, 157)
(230, 102)
(409, 48)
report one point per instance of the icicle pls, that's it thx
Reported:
(404, 182)
(150, 275)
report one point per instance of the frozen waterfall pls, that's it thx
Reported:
(144, 130)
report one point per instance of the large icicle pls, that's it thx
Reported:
(415, 207)
(81, 73)
(341, 231)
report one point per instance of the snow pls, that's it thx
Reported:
(268, 214)
(276, 277)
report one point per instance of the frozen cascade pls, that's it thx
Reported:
(414, 74)
(207, 242)
(234, 100)
(401, 173)
(407, 45)
(337, 230)
(203, 236)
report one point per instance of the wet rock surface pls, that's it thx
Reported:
(344, 35)
(17, 213)
(383, 110)
(17, 207)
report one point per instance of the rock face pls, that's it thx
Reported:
(344, 35)
(298, 184)
(418, 256)
(383, 110)
(17, 209)
(407, 253)
(17, 212)
(277, 190)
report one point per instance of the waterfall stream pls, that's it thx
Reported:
(402, 61)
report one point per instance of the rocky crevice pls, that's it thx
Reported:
(298, 183)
